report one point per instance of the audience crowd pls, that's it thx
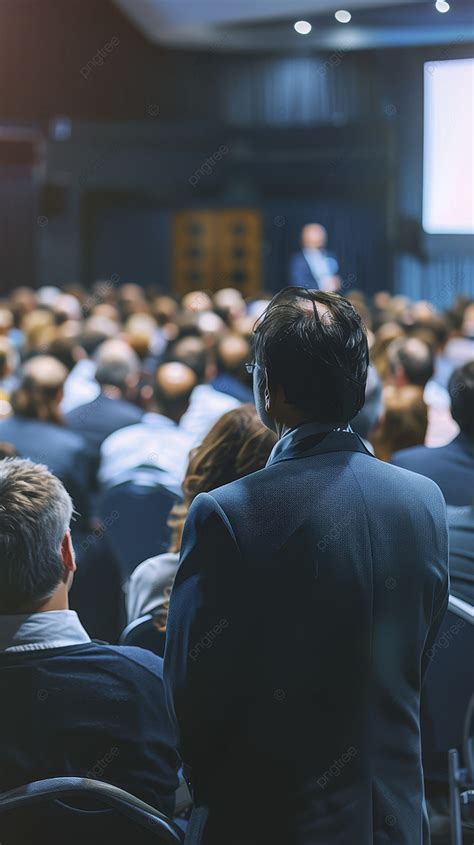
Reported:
(123, 389)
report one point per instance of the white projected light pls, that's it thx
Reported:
(448, 161)
(342, 16)
(442, 6)
(303, 27)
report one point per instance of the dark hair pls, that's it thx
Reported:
(191, 351)
(404, 421)
(7, 450)
(415, 357)
(320, 362)
(461, 391)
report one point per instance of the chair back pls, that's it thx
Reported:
(78, 811)
(135, 516)
(448, 688)
(143, 633)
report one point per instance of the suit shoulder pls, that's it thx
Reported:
(407, 480)
(139, 657)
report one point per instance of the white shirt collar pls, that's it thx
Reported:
(38, 631)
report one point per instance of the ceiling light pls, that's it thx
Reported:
(342, 16)
(442, 6)
(303, 27)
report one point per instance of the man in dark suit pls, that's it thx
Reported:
(307, 597)
(312, 266)
(451, 466)
(70, 707)
(118, 374)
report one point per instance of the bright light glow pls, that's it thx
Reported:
(442, 6)
(303, 27)
(342, 16)
(448, 162)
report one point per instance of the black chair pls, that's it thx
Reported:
(461, 785)
(135, 516)
(445, 699)
(143, 633)
(79, 811)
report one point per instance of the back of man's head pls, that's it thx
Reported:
(461, 391)
(174, 383)
(40, 390)
(313, 345)
(117, 365)
(192, 352)
(411, 361)
(35, 512)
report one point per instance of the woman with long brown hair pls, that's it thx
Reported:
(237, 445)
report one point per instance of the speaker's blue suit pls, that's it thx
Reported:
(300, 272)
(307, 598)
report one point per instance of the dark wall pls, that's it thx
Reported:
(336, 137)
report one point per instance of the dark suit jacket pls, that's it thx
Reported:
(450, 466)
(87, 710)
(306, 599)
(300, 271)
(97, 419)
(64, 452)
(461, 552)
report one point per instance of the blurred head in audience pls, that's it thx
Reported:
(40, 391)
(367, 419)
(36, 554)
(6, 321)
(192, 351)
(8, 358)
(384, 336)
(233, 351)
(404, 421)
(411, 362)
(196, 301)
(7, 450)
(311, 360)
(229, 304)
(236, 445)
(313, 236)
(174, 383)
(38, 327)
(140, 330)
(118, 368)
(461, 392)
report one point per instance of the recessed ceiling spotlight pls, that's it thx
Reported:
(303, 27)
(342, 16)
(442, 6)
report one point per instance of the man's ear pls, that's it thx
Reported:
(67, 554)
(267, 394)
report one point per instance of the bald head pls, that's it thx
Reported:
(232, 353)
(40, 390)
(117, 365)
(313, 236)
(45, 372)
(174, 383)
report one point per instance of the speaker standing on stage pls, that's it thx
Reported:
(312, 266)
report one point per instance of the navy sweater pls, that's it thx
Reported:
(88, 710)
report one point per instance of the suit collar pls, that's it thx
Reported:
(313, 439)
